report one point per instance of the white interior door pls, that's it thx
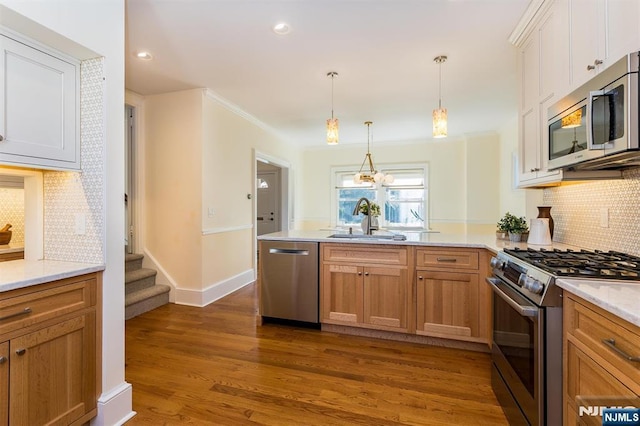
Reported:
(268, 202)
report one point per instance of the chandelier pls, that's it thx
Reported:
(440, 114)
(371, 176)
(332, 123)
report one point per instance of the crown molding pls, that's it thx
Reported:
(241, 113)
(529, 19)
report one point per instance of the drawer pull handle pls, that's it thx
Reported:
(25, 311)
(612, 344)
(447, 259)
(3, 359)
(21, 351)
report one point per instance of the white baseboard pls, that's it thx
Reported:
(215, 291)
(114, 407)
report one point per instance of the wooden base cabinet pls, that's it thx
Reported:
(597, 371)
(365, 286)
(452, 299)
(50, 346)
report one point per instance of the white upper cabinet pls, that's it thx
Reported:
(600, 33)
(40, 106)
(538, 66)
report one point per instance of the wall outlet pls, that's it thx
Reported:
(604, 217)
(80, 223)
(211, 212)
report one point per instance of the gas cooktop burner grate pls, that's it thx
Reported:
(583, 263)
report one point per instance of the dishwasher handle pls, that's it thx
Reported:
(298, 252)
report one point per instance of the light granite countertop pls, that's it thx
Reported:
(11, 248)
(415, 238)
(621, 298)
(23, 273)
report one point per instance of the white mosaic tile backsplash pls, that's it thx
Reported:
(576, 211)
(12, 211)
(71, 196)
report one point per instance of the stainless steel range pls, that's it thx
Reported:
(527, 324)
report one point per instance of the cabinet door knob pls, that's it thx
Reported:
(366, 274)
(420, 277)
(591, 67)
(3, 359)
(359, 273)
(21, 351)
(1, 138)
(597, 62)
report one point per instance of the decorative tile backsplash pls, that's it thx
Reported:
(72, 198)
(12, 211)
(577, 211)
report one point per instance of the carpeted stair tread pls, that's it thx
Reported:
(145, 293)
(132, 262)
(139, 274)
(142, 294)
(132, 257)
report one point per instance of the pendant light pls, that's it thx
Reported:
(372, 176)
(440, 114)
(332, 123)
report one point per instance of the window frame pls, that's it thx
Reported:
(381, 192)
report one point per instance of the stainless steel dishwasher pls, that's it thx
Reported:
(289, 281)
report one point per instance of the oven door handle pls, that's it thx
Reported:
(525, 311)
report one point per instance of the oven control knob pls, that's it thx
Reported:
(533, 285)
(496, 263)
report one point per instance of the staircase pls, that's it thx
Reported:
(142, 294)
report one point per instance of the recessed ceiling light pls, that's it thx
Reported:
(144, 55)
(281, 28)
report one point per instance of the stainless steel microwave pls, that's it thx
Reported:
(596, 126)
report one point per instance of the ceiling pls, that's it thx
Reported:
(382, 50)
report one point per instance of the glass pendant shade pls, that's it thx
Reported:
(440, 114)
(332, 131)
(332, 123)
(440, 123)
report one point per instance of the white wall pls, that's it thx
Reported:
(199, 155)
(463, 179)
(99, 26)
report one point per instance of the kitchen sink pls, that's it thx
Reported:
(393, 237)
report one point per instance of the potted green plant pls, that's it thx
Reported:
(375, 212)
(513, 225)
(375, 209)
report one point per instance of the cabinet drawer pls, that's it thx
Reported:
(448, 258)
(589, 384)
(606, 335)
(364, 254)
(26, 309)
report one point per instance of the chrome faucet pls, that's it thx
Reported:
(356, 211)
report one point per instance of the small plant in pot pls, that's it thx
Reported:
(513, 225)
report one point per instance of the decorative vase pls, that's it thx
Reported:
(374, 223)
(545, 212)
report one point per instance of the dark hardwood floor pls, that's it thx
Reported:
(216, 366)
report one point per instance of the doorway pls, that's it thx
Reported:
(268, 195)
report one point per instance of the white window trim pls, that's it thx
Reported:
(386, 169)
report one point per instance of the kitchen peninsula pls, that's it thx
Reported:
(428, 288)
(449, 268)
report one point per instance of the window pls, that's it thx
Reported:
(403, 203)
